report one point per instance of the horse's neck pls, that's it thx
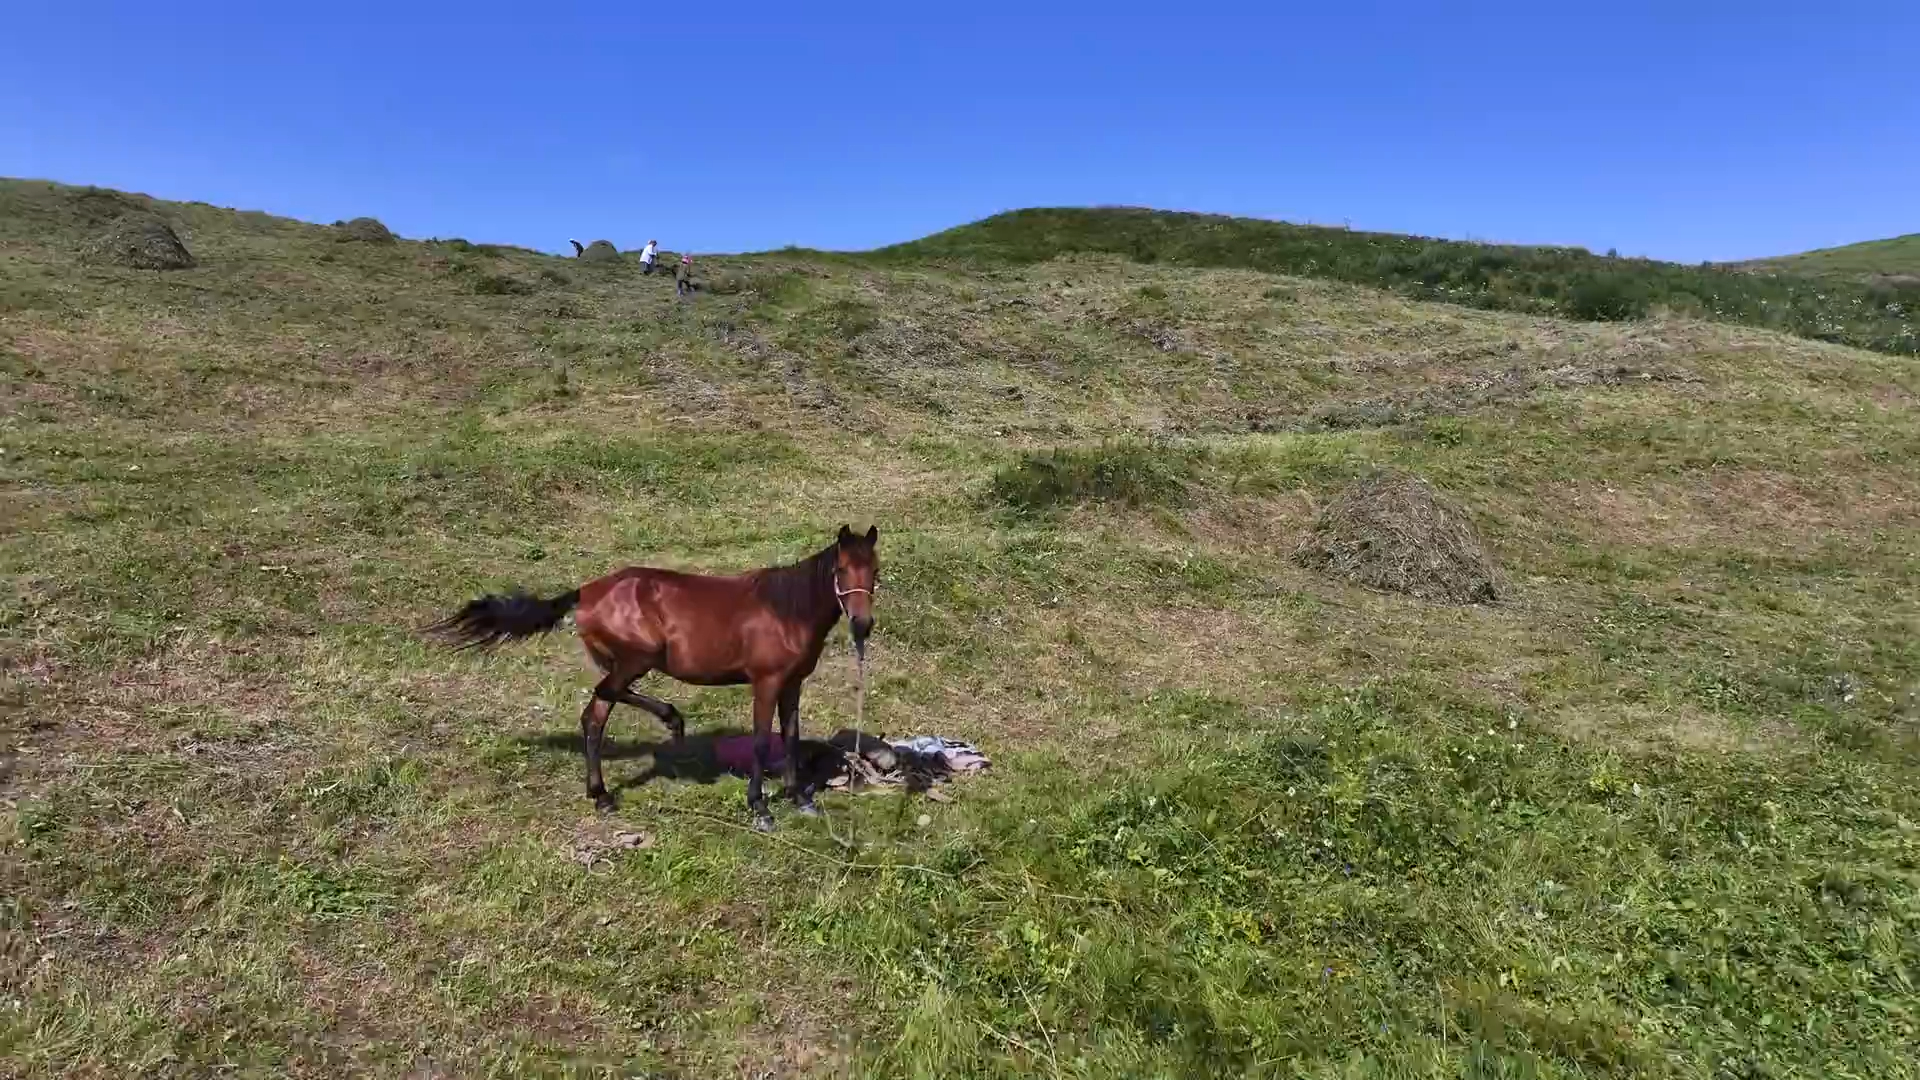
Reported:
(805, 591)
(828, 604)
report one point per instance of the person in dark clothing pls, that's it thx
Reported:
(683, 278)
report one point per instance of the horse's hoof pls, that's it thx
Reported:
(806, 809)
(763, 822)
(604, 803)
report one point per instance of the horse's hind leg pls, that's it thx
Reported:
(593, 728)
(663, 710)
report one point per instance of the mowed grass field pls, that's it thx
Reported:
(1651, 814)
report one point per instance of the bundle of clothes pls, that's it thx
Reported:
(851, 761)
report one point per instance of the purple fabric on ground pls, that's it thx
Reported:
(735, 753)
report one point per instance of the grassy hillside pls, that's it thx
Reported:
(1894, 258)
(1652, 814)
(1884, 316)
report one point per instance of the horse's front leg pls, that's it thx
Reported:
(766, 693)
(790, 735)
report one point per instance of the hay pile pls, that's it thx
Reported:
(1393, 532)
(140, 242)
(363, 230)
(601, 251)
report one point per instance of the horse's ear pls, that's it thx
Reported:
(873, 533)
(846, 534)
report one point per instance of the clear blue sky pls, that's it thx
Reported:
(1684, 130)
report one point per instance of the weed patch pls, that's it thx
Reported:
(1132, 472)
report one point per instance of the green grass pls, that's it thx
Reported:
(1651, 815)
(1566, 281)
(1894, 257)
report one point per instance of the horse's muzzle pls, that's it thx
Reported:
(861, 627)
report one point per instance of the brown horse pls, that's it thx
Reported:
(764, 629)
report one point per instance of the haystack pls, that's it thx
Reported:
(1393, 532)
(601, 251)
(143, 243)
(363, 230)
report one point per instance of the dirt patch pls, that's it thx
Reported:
(599, 843)
(1393, 532)
(1642, 729)
(142, 243)
(363, 230)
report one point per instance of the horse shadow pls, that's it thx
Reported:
(697, 760)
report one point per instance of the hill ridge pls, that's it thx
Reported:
(1893, 258)
(1563, 281)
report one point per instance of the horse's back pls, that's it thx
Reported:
(645, 584)
(689, 625)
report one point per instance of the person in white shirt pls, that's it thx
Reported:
(646, 256)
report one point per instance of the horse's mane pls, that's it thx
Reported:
(802, 592)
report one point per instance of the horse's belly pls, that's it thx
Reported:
(709, 679)
(699, 677)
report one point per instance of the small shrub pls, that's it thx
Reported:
(1444, 431)
(848, 319)
(770, 286)
(1131, 472)
(1606, 298)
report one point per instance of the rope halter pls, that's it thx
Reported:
(840, 595)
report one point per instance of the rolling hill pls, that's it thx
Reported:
(1648, 812)
(1896, 259)
(1540, 280)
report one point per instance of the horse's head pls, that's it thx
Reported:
(856, 573)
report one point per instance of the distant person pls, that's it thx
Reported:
(646, 256)
(683, 278)
(577, 249)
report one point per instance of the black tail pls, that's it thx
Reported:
(491, 620)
